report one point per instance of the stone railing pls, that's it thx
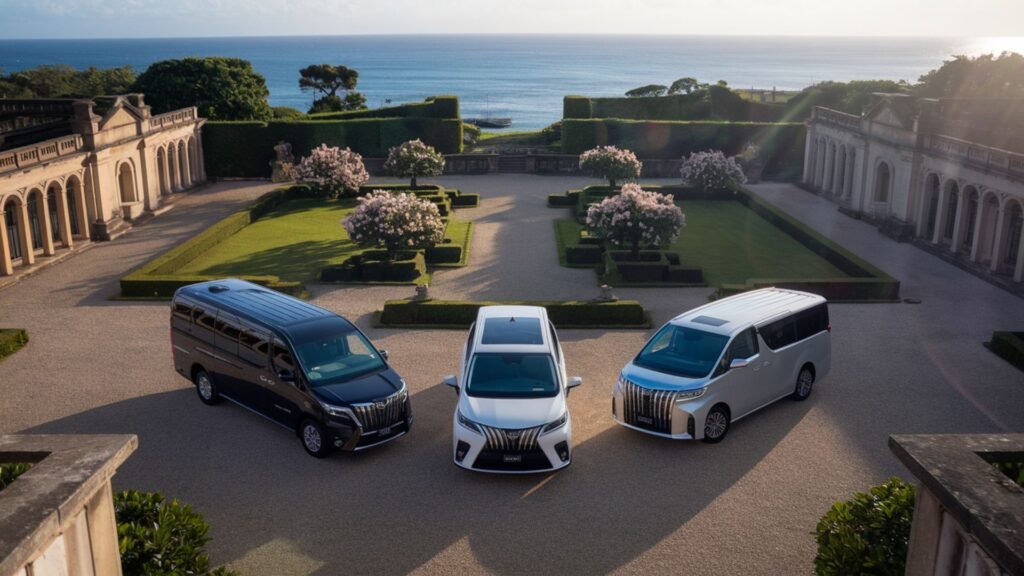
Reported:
(26, 156)
(978, 156)
(45, 107)
(173, 119)
(849, 121)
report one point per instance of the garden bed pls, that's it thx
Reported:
(284, 240)
(12, 340)
(564, 314)
(739, 242)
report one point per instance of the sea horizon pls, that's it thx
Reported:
(521, 76)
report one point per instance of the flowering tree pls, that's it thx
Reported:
(711, 170)
(395, 221)
(331, 171)
(635, 216)
(611, 163)
(414, 158)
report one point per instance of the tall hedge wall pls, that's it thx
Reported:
(717, 104)
(782, 144)
(436, 107)
(246, 149)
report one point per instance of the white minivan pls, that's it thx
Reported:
(715, 364)
(512, 415)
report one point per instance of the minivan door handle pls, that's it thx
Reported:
(767, 363)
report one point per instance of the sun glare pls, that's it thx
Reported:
(996, 45)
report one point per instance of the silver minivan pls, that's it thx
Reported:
(715, 364)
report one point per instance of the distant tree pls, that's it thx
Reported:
(684, 86)
(636, 217)
(63, 81)
(413, 159)
(648, 90)
(850, 97)
(396, 221)
(287, 113)
(613, 164)
(985, 76)
(221, 88)
(326, 80)
(332, 172)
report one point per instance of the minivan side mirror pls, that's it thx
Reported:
(451, 380)
(383, 354)
(739, 363)
(575, 381)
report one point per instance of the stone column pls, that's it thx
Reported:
(978, 232)
(187, 164)
(997, 241)
(809, 160)
(940, 215)
(6, 266)
(848, 180)
(819, 173)
(1018, 268)
(63, 222)
(82, 211)
(28, 251)
(48, 249)
(958, 221)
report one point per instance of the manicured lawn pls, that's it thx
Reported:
(293, 242)
(731, 244)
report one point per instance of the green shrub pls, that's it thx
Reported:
(576, 107)
(8, 472)
(465, 200)
(373, 266)
(287, 113)
(1008, 345)
(11, 340)
(568, 314)
(561, 200)
(443, 254)
(445, 107)
(867, 534)
(157, 537)
(583, 255)
(238, 149)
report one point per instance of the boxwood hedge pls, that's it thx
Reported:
(12, 340)
(564, 314)
(1009, 346)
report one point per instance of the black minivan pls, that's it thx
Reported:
(299, 365)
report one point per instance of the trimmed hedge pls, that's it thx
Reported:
(653, 267)
(1009, 346)
(584, 255)
(561, 201)
(567, 314)
(834, 289)
(436, 107)
(158, 278)
(12, 340)
(464, 200)
(782, 144)
(576, 107)
(246, 149)
(371, 266)
(716, 104)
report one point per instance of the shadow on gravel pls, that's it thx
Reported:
(395, 508)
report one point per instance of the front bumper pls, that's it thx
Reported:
(686, 422)
(355, 438)
(544, 457)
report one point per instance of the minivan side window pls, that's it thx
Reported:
(282, 357)
(228, 328)
(780, 333)
(811, 321)
(205, 323)
(181, 315)
(253, 346)
(743, 346)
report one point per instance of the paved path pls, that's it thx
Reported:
(629, 504)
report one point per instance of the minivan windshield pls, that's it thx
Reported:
(337, 355)
(507, 375)
(682, 351)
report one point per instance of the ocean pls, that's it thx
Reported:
(523, 77)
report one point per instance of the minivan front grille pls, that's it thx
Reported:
(505, 440)
(381, 413)
(646, 408)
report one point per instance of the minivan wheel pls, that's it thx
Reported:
(804, 384)
(716, 424)
(313, 439)
(206, 388)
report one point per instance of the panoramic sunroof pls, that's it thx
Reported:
(512, 331)
(710, 321)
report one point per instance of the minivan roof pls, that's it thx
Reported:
(484, 328)
(735, 313)
(255, 303)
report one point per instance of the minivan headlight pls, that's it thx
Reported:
(555, 424)
(335, 410)
(690, 394)
(467, 423)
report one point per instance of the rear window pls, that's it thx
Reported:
(512, 331)
(796, 327)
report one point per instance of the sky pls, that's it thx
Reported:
(191, 18)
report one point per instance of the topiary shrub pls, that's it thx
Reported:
(413, 159)
(611, 163)
(159, 537)
(636, 217)
(711, 170)
(867, 534)
(332, 172)
(394, 221)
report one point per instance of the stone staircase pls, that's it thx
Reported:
(512, 164)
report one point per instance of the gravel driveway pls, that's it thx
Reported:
(629, 504)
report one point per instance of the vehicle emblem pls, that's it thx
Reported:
(513, 434)
(379, 404)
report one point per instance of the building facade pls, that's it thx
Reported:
(947, 174)
(76, 170)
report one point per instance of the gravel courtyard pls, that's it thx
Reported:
(629, 504)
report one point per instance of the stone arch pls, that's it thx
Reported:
(56, 214)
(36, 204)
(183, 164)
(13, 234)
(172, 167)
(161, 170)
(819, 171)
(840, 170)
(1012, 250)
(126, 183)
(985, 232)
(193, 159)
(930, 204)
(968, 220)
(830, 170)
(951, 197)
(74, 194)
(883, 183)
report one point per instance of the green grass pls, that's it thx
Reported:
(731, 244)
(294, 242)
(12, 340)
(505, 139)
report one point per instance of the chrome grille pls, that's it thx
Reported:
(647, 408)
(381, 413)
(506, 440)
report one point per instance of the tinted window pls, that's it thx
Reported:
(228, 329)
(780, 333)
(205, 323)
(338, 357)
(253, 346)
(282, 358)
(512, 376)
(512, 331)
(812, 321)
(469, 344)
(743, 346)
(182, 310)
(682, 351)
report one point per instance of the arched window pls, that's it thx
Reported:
(971, 213)
(13, 232)
(35, 224)
(52, 197)
(883, 182)
(952, 202)
(72, 198)
(1014, 228)
(931, 199)
(126, 183)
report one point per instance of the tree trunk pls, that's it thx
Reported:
(413, 182)
(611, 182)
(635, 253)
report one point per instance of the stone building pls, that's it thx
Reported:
(78, 170)
(945, 174)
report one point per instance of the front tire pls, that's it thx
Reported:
(716, 424)
(804, 384)
(206, 388)
(313, 439)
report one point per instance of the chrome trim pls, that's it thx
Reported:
(182, 350)
(382, 412)
(511, 440)
(254, 411)
(659, 404)
(379, 442)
